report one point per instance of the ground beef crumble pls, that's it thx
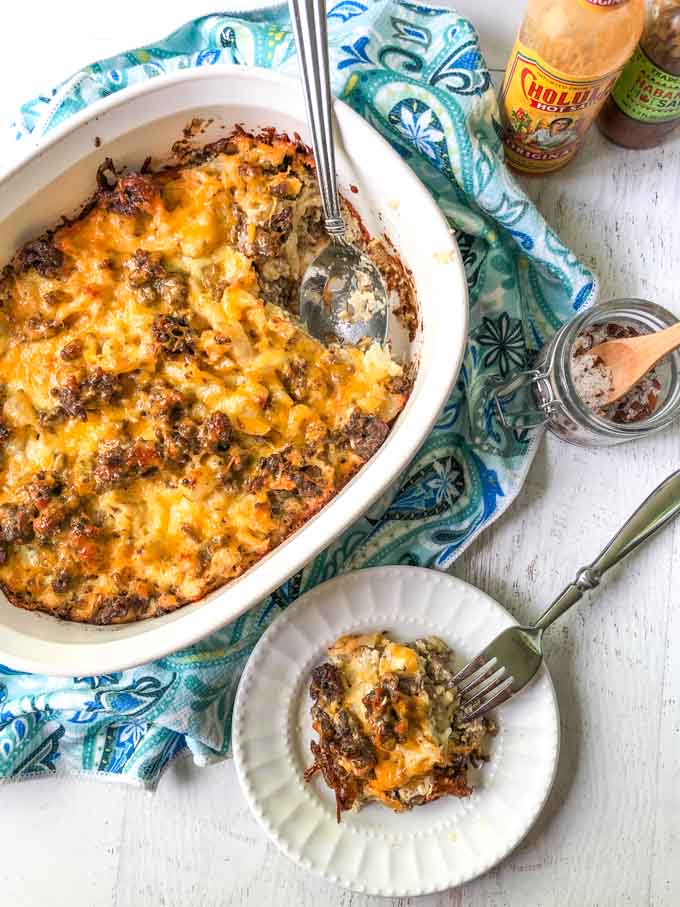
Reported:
(173, 335)
(364, 434)
(86, 392)
(41, 255)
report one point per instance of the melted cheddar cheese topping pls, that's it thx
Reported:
(367, 661)
(389, 723)
(165, 421)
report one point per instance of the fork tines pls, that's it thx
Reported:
(488, 685)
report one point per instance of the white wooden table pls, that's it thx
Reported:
(609, 835)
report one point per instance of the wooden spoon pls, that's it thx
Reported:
(630, 358)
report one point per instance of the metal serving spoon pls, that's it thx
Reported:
(512, 659)
(342, 296)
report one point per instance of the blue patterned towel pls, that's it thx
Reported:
(416, 74)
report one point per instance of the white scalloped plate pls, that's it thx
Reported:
(375, 851)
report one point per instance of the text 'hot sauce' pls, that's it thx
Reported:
(563, 66)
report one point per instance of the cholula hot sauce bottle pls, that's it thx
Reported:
(566, 59)
(645, 103)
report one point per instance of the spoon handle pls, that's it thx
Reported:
(662, 506)
(309, 25)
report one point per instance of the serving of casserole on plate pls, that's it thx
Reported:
(145, 400)
(385, 734)
(390, 726)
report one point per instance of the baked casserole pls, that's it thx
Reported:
(165, 420)
(390, 725)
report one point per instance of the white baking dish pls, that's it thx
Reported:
(145, 120)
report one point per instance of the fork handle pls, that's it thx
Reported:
(309, 24)
(662, 506)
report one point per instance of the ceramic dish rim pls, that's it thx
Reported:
(67, 658)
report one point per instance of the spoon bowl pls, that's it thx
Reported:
(343, 297)
(628, 359)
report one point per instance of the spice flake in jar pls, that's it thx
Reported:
(593, 379)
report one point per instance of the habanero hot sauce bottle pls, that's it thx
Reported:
(564, 64)
(644, 106)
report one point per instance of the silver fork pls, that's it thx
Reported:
(512, 659)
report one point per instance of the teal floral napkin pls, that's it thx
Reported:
(416, 74)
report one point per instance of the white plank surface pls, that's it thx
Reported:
(609, 835)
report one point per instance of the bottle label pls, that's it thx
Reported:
(603, 3)
(647, 93)
(545, 112)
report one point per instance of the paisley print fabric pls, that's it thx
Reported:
(416, 74)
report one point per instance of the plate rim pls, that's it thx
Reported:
(253, 802)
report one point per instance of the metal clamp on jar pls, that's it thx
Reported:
(554, 399)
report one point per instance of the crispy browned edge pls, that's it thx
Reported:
(188, 154)
(21, 600)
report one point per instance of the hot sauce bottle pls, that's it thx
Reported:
(645, 103)
(566, 59)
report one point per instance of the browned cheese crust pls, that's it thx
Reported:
(164, 420)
